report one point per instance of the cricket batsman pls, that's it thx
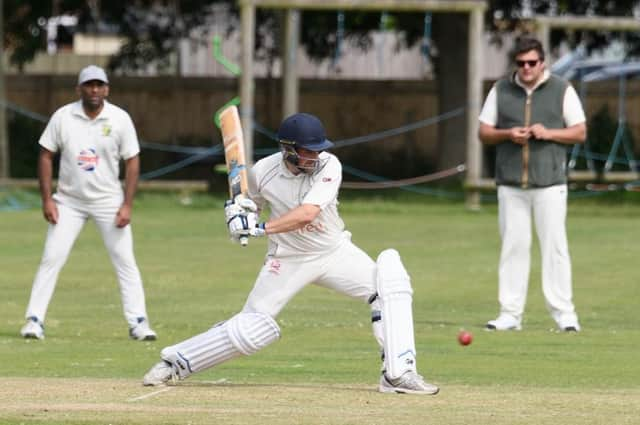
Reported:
(307, 244)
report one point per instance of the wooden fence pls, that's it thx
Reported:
(180, 111)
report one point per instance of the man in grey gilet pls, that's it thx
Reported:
(531, 118)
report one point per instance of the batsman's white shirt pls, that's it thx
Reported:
(322, 253)
(90, 151)
(270, 181)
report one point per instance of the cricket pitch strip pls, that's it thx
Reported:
(126, 401)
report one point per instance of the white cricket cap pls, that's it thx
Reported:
(92, 72)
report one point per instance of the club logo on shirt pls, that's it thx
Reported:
(274, 266)
(87, 159)
(326, 179)
(106, 129)
(315, 227)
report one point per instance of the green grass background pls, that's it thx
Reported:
(194, 277)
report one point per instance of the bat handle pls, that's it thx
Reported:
(244, 240)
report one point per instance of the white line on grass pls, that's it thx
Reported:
(142, 397)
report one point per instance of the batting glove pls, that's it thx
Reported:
(242, 220)
(247, 204)
(240, 206)
(246, 225)
(231, 209)
(241, 225)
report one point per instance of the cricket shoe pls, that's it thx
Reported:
(142, 331)
(172, 368)
(32, 329)
(569, 324)
(409, 383)
(161, 373)
(504, 322)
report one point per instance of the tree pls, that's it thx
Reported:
(23, 33)
(505, 16)
(153, 30)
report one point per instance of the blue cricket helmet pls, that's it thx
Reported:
(305, 131)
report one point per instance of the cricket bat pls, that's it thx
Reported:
(233, 142)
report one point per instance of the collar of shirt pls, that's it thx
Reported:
(545, 76)
(78, 110)
(285, 172)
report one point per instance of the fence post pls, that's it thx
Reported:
(474, 78)
(4, 135)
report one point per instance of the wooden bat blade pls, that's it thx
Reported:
(234, 156)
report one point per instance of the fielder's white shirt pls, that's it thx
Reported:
(90, 151)
(572, 111)
(271, 182)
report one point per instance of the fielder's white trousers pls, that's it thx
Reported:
(60, 240)
(347, 270)
(549, 208)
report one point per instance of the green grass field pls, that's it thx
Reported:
(325, 368)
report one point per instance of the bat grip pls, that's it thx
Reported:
(244, 240)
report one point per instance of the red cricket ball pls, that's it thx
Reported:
(465, 338)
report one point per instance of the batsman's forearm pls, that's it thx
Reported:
(295, 219)
(45, 174)
(132, 172)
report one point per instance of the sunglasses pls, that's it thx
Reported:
(531, 63)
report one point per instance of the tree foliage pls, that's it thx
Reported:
(319, 32)
(23, 35)
(153, 28)
(505, 16)
(25, 23)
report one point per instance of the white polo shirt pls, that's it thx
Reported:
(90, 151)
(271, 182)
(572, 111)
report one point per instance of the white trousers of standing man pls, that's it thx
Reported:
(549, 208)
(60, 239)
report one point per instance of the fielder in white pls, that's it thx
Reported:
(307, 244)
(531, 118)
(91, 136)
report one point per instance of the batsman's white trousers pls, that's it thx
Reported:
(549, 208)
(347, 270)
(60, 239)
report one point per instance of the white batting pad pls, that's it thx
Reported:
(244, 333)
(395, 293)
(251, 332)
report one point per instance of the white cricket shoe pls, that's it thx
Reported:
(142, 331)
(504, 322)
(161, 373)
(409, 383)
(32, 329)
(569, 324)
